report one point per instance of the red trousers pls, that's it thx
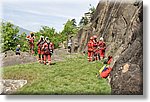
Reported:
(102, 53)
(31, 48)
(47, 57)
(90, 55)
(95, 53)
(39, 51)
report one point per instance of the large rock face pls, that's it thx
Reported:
(121, 25)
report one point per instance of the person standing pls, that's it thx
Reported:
(48, 50)
(95, 45)
(69, 45)
(40, 51)
(90, 49)
(30, 39)
(102, 48)
(18, 50)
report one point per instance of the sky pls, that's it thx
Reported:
(32, 14)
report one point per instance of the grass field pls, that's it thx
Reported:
(72, 76)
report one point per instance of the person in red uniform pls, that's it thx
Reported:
(48, 48)
(95, 45)
(30, 39)
(90, 49)
(40, 52)
(101, 48)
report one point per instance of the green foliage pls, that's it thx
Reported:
(23, 42)
(9, 36)
(70, 29)
(73, 76)
(92, 9)
(50, 33)
(83, 21)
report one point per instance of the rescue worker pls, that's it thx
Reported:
(48, 48)
(90, 49)
(40, 51)
(95, 45)
(101, 49)
(30, 39)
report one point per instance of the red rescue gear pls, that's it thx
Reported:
(106, 73)
(40, 51)
(40, 45)
(31, 43)
(47, 48)
(95, 50)
(109, 59)
(102, 47)
(90, 50)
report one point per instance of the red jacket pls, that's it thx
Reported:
(31, 40)
(48, 48)
(40, 44)
(90, 46)
(101, 45)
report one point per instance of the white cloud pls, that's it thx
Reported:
(48, 12)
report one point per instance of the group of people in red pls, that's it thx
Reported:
(96, 49)
(45, 48)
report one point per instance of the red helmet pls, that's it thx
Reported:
(95, 37)
(28, 36)
(91, 38)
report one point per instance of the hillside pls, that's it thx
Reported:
(21, 30)
(121, 26)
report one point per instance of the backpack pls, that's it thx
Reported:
(41, 44)
(48, 49)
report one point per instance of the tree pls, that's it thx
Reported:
(83, 21)
(9, 36)
(49, 32)
(74, 22)
(92, 9)
(23, 42)
(70, 28)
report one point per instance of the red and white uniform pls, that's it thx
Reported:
(95, 51)
(40, 45)
(90, 50)
(47, 47)
(102, 47)
(31, 43)
(40, 51)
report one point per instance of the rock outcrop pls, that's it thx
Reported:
(10, 86)
(10, 58)
(120, 23)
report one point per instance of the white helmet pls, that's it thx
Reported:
(41, 37)
(18, 45)
(101, 38)
(46, 38)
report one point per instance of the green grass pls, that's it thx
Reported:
(72, 76)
